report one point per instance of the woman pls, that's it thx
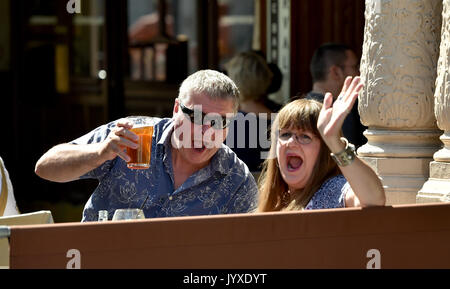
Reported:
(254, 77)
(302, 173)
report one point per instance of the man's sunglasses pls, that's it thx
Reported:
(216, 121)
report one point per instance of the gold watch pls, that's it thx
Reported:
(345, 157)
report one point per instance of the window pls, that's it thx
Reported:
(236, 20)
(149, 63)
(88, 44)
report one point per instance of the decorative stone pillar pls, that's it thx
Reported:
(398, 69)
(437, 188)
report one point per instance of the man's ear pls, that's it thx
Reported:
(176, 107)
(336, 73)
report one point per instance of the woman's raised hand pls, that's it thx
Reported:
(333, 113)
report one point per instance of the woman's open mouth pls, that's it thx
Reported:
(294, 163)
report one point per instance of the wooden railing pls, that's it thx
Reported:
(413, 236)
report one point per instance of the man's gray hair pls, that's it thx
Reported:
(212, 83)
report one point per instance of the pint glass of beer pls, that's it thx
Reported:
(140, 157)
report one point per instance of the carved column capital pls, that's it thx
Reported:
(398, 66)
(442, 94)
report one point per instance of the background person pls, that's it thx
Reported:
(302, 174)
(183, 180)
(8, 205)
(253, 76)
(330, 65)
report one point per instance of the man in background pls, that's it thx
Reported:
(330, 66)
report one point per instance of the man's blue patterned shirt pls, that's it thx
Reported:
(225, 186)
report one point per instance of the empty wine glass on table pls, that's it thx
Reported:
(128, 214)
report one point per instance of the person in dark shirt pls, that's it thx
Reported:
(249, 134)
(330, 65)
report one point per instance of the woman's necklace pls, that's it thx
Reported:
(286, 197)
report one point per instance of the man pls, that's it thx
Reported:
(191, 172)
(330, 66)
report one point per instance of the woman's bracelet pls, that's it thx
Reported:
(345, 157)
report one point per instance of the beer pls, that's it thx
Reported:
(140, 157)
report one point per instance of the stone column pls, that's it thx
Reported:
(437, 188)
(398, 69)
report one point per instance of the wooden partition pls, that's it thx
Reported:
(414, 236)
(314, 23)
